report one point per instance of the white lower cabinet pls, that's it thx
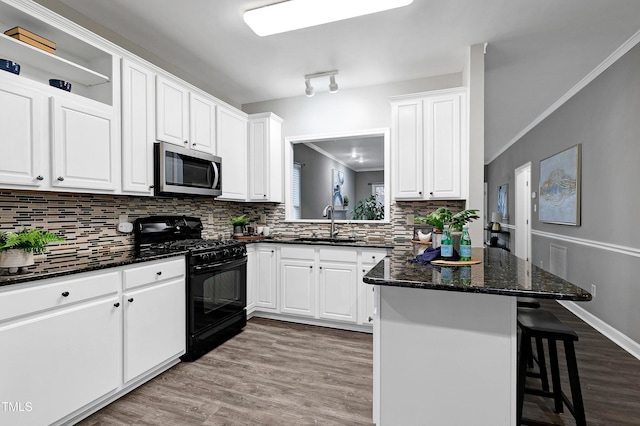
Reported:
(297, 287)
(62, 339)
(266, 278)
(322, 284)
(60, 347)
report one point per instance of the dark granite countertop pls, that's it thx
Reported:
(57, 266)
(500, 273)
(344, 243)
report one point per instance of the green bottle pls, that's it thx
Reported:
(446, 247)
(465, 244)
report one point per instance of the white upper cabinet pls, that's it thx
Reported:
(25, 139)
(265, 158)
(84, 148)
(202, 123)
(172, 112)
(138, 118)
(232, 149)
(430, 146)
(184, 117)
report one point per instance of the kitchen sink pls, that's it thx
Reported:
(327, 240)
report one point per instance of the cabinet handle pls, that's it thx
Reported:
(130, 300)
(60, 178)
(65, 294)
(370, 319)
(159, 273)
(117, 304)
(40, 177)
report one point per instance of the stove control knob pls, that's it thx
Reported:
(226, 252)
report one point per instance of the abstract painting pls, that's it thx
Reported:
(560, 187)
(337, 181)
(503, 201)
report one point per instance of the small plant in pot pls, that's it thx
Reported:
(239, 223)
(17, 248)
(443, 216)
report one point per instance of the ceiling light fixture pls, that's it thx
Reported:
(309, 90)
(333, 86)
(296, 14)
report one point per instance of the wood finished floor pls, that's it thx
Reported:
(277, 373)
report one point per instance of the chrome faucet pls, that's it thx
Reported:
(329, 210)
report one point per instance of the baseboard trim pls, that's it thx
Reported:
(620, 339)
(312, 321)
(629, 251)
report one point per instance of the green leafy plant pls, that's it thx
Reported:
(443, 216)
(29, 240)
(345, 201)
(239, 220)
(369, 209)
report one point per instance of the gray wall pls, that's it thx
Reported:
(363, 184)
(316, 181)
(605, 118)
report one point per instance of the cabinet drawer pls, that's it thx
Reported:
(338, 254)
(159, 270)
(297, 252)
(373, 256)
(45, 294)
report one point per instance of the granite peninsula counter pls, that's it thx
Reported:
(448, 356)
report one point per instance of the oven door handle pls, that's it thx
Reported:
(219, 265)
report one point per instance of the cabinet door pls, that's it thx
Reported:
(407, 147)
(172, 112)
(442, 125)
(266, 278)
(338, 291)
(85, 151)
(57, 362)
(259, 159)
(252, 266)
(138, 118)
(24, 139)
(232, 148)
(298, 289)
(202, 124)
(154, 326)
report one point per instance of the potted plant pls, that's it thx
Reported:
(239, 223)
(443, 216)
(345, 201)
(17, 248)
(369, 209)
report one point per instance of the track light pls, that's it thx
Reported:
(309, 91)
(333, 86)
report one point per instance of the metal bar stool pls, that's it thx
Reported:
(540, 324)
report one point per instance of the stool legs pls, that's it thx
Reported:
(555, 376)
(574, 380)
(542, 365)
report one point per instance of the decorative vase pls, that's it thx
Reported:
(13, 259)
(238, 230)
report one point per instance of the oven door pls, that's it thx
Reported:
(218, 291)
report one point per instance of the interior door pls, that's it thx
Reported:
(523, 212)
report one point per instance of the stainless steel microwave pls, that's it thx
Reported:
(180, 170)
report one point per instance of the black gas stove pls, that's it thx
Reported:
(216, 277)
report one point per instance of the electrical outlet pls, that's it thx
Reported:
(410, 219)
(593, 290)
(263, 218)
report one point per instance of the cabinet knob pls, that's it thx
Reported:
(370, 319)
(419, 192)
(60, 178)
(65, 294)
(321, 267)
(272, 251)
(186, 142)
(310, 266)
(130, 300)
(193, 144)
(363, 271)
(431, 193)
(159, 273)
(373, 257)
(40, 177)
(151, 186)
(117, 304)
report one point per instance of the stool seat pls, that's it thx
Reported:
(528, 302)
(544, 323)
(539, 324)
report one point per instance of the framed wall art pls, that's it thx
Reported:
(503, 201)
(559, 187)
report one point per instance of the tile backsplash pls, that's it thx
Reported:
(88, 221)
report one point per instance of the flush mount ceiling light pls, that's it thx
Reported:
(333, 86)
(295, 14)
